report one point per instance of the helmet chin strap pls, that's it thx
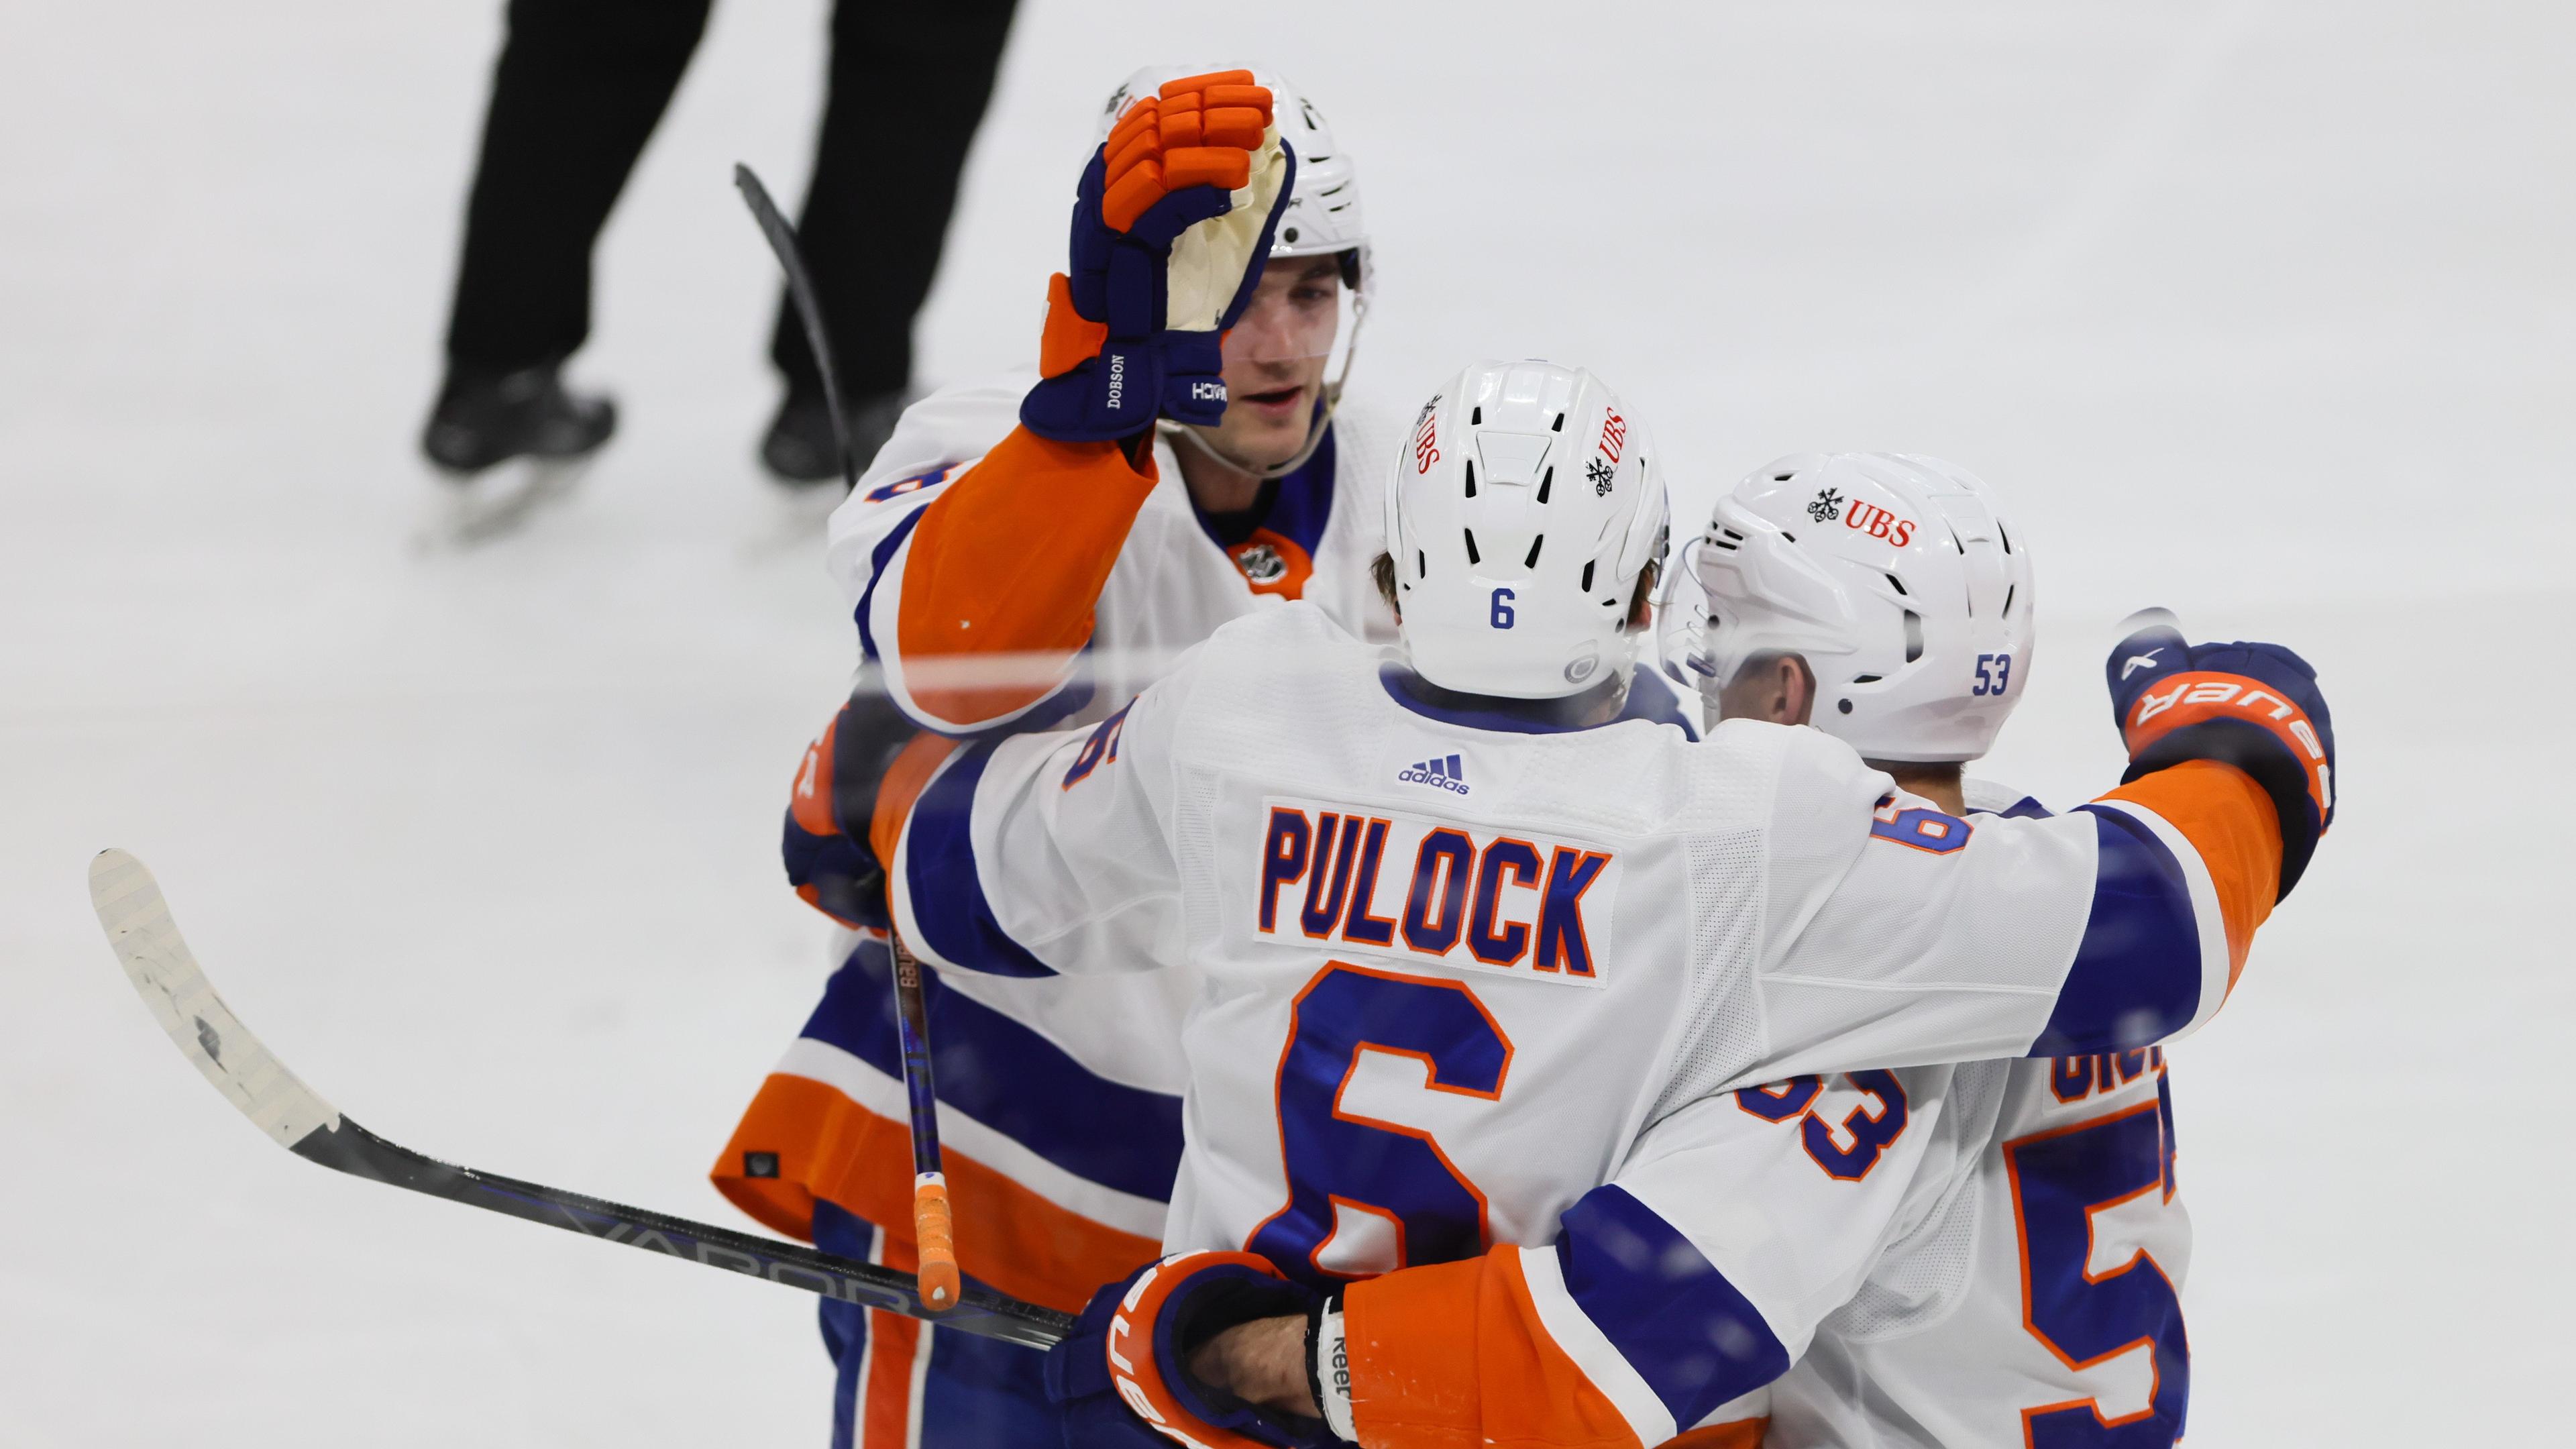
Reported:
(1198, 437)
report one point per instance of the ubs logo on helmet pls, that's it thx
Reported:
(1826, 506)
(1426, 436)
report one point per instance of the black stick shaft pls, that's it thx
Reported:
(809, 310)
(353, 1149)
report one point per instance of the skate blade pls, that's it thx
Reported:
(499, 501)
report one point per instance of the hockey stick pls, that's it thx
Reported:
(934, 1233)
(138, 925)
(809, 310)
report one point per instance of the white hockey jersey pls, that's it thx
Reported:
(2038, 1300)
(1172, 584)
(1059, 1101)
(1478, 995)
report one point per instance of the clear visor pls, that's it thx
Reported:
(1300, 312)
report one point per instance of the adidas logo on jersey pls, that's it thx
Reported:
(1440, 771)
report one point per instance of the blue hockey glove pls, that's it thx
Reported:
(1171, 226)
(2254, 706)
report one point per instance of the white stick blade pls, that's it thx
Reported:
(138, 925)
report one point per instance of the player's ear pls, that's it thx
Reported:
(1773, 687)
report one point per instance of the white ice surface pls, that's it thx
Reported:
(2266, 312)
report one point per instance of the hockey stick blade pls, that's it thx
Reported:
(137, 920)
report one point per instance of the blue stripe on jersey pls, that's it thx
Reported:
(1652, 697)
(1695, 1340)
(948, 903)
(2027, 808)
(2136, 977)
(1009, 1078)
(876, 572)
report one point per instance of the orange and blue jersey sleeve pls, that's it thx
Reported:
(1034, 854)
(975, 584)
(1920, 936)
(1671, 1296)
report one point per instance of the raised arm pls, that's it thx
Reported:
(2125, 922)
(979, 596)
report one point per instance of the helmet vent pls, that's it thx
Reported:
(1913, 636)
(1471, 477)
(1899, 583)
(1546, 479)
(1725, 538)
(1559, 425)
(1860, 679)
(2008, 598)
(2007, 538)
(1472, 556)
(1587, 571)
(1532, 561)
(1476, 417)
(1421, 564)
(1782, 477)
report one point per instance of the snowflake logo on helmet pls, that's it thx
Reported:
(1826, 507)
(1600, 472)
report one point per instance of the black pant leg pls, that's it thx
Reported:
(909, 82)
(578, 90)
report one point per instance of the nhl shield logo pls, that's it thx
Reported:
(1261, 563)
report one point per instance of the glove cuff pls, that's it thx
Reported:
(1328, 1367)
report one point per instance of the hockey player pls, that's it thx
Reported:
(1464, 1037)
(1020, 554)
(1885, 600)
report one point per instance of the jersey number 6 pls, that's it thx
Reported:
(1365, 1195)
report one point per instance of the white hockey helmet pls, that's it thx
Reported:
(1892, 574)
(1523, 507)
(1323, 219)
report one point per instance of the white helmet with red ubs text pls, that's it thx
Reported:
(1894, 576)
(1524, 506)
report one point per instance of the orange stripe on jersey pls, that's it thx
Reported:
(1010, 561)
(822, 1144)
(1741, 1434)
(885, 1399)
(904, 781)
(2232, 823)
(811, 804)
(1419, 1382)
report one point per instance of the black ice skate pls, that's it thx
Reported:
(486, 418)
(800, 449)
